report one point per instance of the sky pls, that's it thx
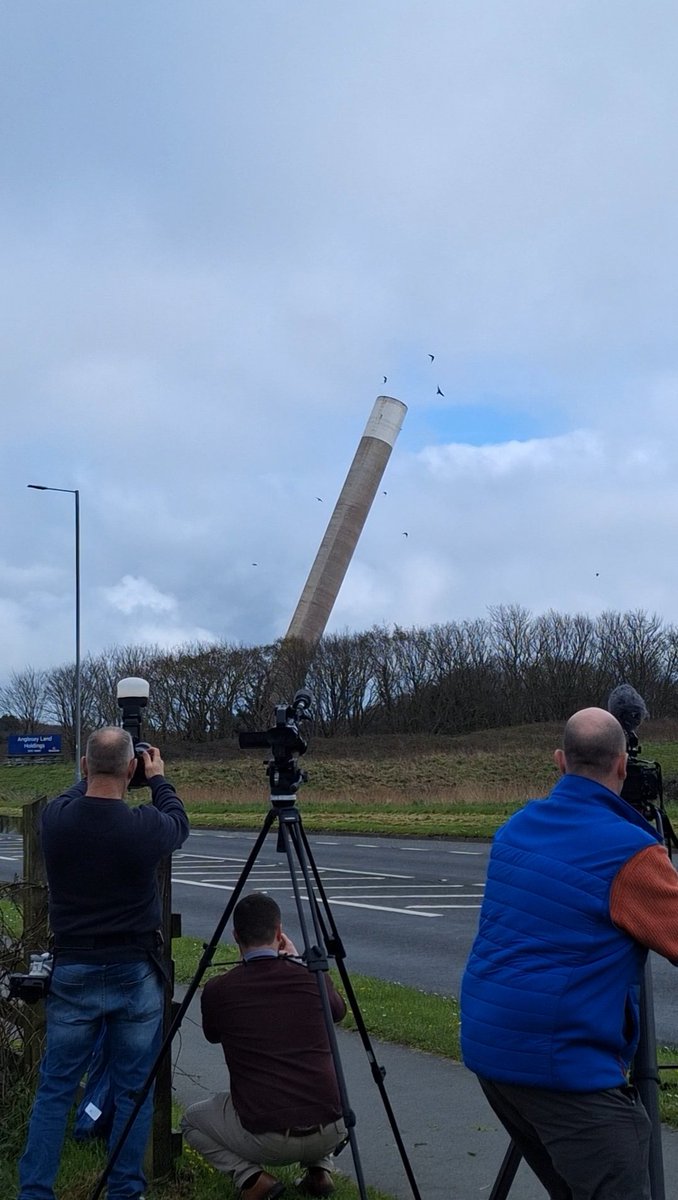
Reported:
(222, 224)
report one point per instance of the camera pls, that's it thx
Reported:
(34, 985)
(284, 739)
(643, 786)
(132, 695)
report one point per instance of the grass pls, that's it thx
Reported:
(192, 1179)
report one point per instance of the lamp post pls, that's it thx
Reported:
(41, 487)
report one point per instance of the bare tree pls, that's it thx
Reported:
(60, 700)
(24, 697)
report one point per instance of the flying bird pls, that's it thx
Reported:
(439, 393)
(405, 534)
(432, 357)
(385, 379)
(254, 564)
(319, 498)
(384, 493)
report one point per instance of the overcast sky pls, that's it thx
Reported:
(222, 223)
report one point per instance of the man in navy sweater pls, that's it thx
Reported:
(579, 886)
(101, 857)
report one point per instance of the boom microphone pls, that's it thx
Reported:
(627, 706)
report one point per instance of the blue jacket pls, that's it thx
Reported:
(550, 995)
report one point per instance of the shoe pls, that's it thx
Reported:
(316, 1182)
(265, 1187)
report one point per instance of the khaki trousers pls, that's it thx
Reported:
(212, 1127)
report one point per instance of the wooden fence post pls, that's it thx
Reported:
(36, 926)
(165, 1144)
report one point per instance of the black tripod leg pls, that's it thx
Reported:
(378, 1072)
(204, 963)
(506, 1173)
(315, 961)
(645, 1075)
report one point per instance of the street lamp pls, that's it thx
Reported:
(41, 487)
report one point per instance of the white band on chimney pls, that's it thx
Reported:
(386, 419)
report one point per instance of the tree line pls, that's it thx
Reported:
(507, 668)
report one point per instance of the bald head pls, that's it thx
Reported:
(109, 752)
(594, 745)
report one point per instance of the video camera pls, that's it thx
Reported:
(643, 787)
(132, 694)
(284, 739)
(643, 783)
(33, 986)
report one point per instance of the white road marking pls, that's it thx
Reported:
(476, 852)
(413, 849)
(419, 896)
(383, 908)
(222, 865)
(9, 858)
(411, 910)
(222, 887)
(366, 887)
(317, 842)
(370, 874)
(365, 845)
(219, 858)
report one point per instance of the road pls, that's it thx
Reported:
(406, 909)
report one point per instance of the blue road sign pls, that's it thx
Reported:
(19, 743)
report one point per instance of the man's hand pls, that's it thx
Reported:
(153, 764)
(286, 946)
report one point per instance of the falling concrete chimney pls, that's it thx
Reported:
(347, 521)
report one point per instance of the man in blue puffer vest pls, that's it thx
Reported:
(579, 886)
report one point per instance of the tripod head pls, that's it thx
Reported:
(284, 739)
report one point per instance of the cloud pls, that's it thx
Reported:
(154, 616)
(133, 593)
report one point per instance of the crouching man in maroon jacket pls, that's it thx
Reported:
(283, 1106)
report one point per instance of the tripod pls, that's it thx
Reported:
(292, 841)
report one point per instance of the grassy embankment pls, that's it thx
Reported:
(462, 786)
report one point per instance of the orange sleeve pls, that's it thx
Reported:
(644, 900)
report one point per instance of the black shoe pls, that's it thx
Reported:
(264, 1187)
(316, 1182)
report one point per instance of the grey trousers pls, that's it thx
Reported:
(212, 1127)
(580, 1145)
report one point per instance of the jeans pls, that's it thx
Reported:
(128, 998)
